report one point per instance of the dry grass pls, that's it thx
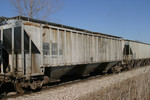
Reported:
(135, 88)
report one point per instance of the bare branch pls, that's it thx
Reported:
(36, 8)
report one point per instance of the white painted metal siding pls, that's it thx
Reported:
(63, 47)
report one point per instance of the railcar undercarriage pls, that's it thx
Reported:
(127, 65)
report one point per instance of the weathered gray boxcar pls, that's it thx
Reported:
(32, 48)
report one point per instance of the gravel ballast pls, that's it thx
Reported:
(86, 89)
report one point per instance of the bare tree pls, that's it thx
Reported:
(40, 9)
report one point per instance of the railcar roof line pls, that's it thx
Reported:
(57, 25)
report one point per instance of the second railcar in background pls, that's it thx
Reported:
(136, 53)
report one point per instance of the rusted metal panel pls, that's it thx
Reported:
(32, 24)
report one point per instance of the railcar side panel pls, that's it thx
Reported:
(61, 47)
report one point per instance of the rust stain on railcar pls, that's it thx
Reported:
(44, 34)
(31, 24)
(46, 26)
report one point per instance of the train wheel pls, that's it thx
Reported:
(19, 87)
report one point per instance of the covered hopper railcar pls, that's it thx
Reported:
(34, 52)
(135, 53)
